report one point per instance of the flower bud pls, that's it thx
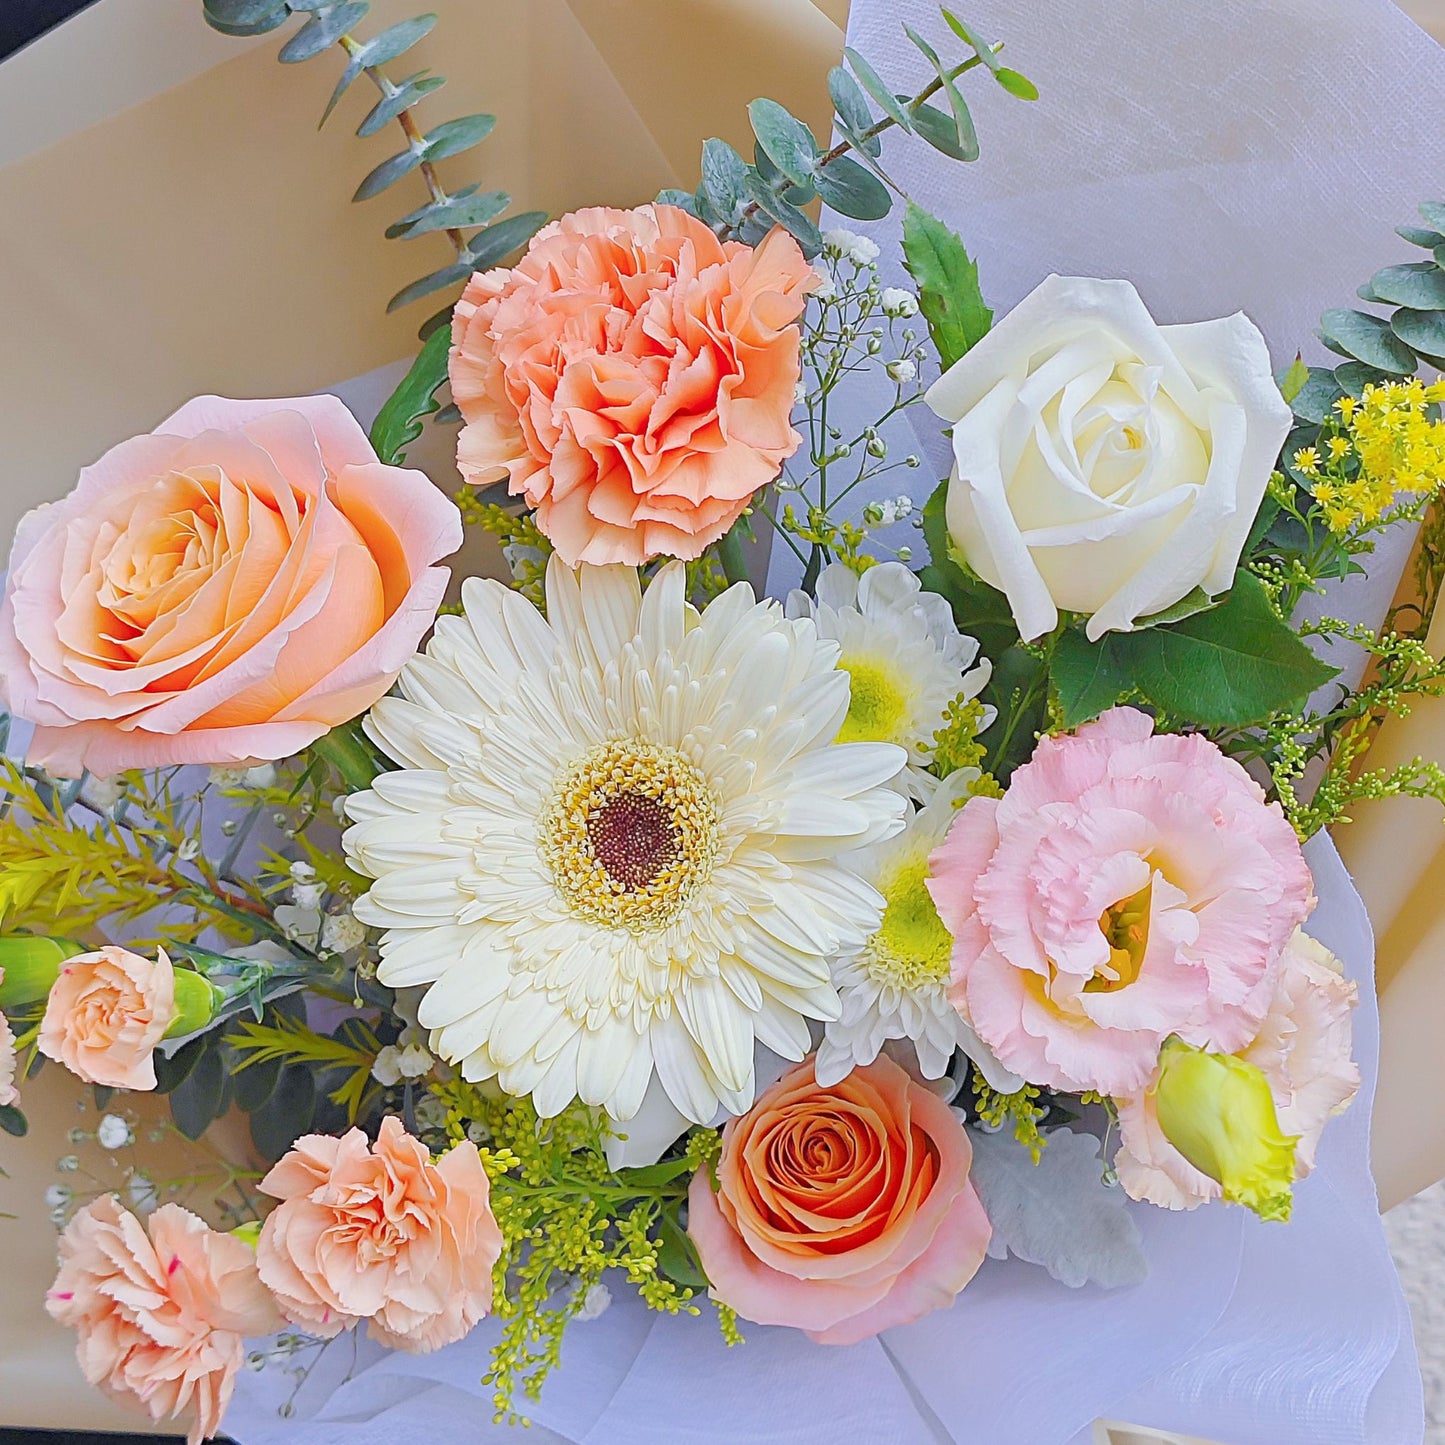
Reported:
(198, 1001)
(29, 967)
(1218, 1112)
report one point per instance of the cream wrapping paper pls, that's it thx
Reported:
(171, 222)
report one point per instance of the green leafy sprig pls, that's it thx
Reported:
(329, 23)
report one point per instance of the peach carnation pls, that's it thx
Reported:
(634, 377)
(381, 1234)
(841, 1211)
(1303, 1050)
(162, 1315)
(105, 1015)
(223, 590)
(1125, 888)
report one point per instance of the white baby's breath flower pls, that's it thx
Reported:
(902, 370)
(838, 243)
(386, 1067)
(308, 895)
(905, 657)
(612, 845)
(57, 1196)
(896, 985)
(301, 925)
(594, 1303)
(227, 777)
(340, 933)
(898, 302)
(141, 1191)
(863, 252)
(826, 289)
(113, 1132)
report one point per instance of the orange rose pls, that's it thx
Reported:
(106, 1013)
(383, 1235)
(840, 1211)
(634, 377)
(163, 1315)
(224, 590)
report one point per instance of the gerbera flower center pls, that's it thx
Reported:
(630, 834)
(879, 702)
(1126, 926)
(911, 948)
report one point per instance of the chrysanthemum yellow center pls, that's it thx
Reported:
(878, 706)
(630, 833)
(1126, 927)
(912, 948)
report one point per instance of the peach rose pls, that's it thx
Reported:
(633, 376)
(224, 590)
(840, 1211)
(162, 1316)
(380, 1234)
(105, 1015)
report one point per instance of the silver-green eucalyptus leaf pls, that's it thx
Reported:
(397, 39)
(322, 31)
(789, 143)
(496, 243)
(873, 83)
(453, 137)
(402, 98)
(427, 285)
(389, 172)
(460, 211)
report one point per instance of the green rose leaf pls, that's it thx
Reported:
(1230, 666)
(399, 421)
(947, 277)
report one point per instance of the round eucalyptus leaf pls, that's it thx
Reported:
(1420, 236)
(1366, 338)
(287, 1114)
(388, 173)
(406, 95)
(322, 31)
(854, 115)
(1419, 285)
(397, 39)
(456, 213)
(853, 190)
(724, 177)
(245, 12)
(1420, 330)
(785, 214)
(683, 200)
(1434, 214)
(453, 137)
(1316, 398)
(246, 29)
(1355, 376)
(940, 130)
(496, 243)
(789, 143)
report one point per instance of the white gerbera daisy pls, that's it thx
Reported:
(906, 659)
(9, 1094)
(896, 985)
(613, 845)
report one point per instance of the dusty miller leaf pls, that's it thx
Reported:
(1058, 1212)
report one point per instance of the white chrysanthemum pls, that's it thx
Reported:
(906, 659)
(896, 985)
(613, 845)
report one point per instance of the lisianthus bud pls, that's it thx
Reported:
(1218, 1112)
(198, 1001)
(29, 967)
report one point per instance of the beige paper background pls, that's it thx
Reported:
(171, 222)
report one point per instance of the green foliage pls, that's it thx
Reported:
(948, 289)
(329, 23)
(1230, 666)
(399, 421)
(742, 200)
(290, 1040)
(566, 1218)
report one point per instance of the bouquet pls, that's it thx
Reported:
(616, 927)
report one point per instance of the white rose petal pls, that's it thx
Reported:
(1104, 464)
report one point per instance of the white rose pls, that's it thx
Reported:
(1106, 465)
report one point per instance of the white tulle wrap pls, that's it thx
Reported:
(1223, 155)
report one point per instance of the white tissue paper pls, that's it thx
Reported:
(1234, 154)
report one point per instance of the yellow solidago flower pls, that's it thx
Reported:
(1218, 1112)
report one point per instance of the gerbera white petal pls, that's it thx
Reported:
(906, 659)
(896, 985)
(612, 850)
(9, 1094)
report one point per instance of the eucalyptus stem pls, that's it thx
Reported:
(385, 85)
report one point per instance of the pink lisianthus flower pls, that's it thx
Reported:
(1126, 887)
(163, 1311)
(1303, 1050)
